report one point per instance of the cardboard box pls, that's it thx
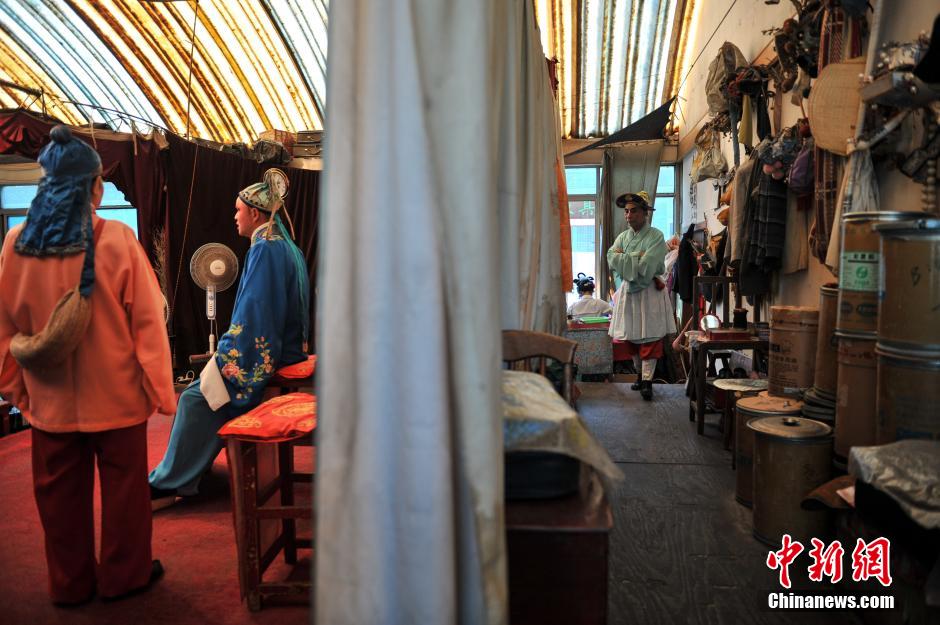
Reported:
(287, 139)
(310, 136)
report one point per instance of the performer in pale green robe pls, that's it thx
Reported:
(643, 313)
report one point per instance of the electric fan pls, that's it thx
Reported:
(214, 268)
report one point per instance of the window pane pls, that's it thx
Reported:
(581, 209)
(21, 196)
(582, 251)
(581, 180)
(667, 179)
(15, 220)
(113, 197)
(582, 238)
(664, 215)
(17, 196)
(125, 215)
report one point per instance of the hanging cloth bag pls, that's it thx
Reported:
(708, 162)
(62, 333)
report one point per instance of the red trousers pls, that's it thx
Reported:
(646, 351)
(63, 482)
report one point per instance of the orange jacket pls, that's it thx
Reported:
(120, 373)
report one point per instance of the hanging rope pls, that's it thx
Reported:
(189, 206)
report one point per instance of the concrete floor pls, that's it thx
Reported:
(681, 550)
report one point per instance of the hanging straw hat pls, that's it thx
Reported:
(833, 105)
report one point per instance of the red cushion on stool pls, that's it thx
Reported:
(281, 418)
(297, 371)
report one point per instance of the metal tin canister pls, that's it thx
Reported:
(792, 456)
(908, 395)
(824, 377)
(855, 399)
(792, 365)
(859, 273)
(909, 306)
(748, 408)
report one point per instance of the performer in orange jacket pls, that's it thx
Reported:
(89, 395)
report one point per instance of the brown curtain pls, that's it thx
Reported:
(201, 209)
(156, 179)
(131, 162)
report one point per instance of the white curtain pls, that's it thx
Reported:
(409, 519)
(628, 168)
(532, 296)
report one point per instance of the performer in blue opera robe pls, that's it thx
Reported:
(268, 331)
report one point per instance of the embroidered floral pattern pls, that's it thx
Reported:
(246, 379)
(262, 234)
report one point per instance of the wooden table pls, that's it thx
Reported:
(700, 352)
(557, 554)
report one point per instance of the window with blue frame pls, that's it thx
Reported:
(15, 201)
(665, 203)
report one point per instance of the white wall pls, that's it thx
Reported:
(742, 27)
(903, 21)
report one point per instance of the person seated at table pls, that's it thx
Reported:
(268, 331)
(643, 313)
(587, 305)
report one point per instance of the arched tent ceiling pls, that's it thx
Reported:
(261, 64)
(618, 59)
(257, 64)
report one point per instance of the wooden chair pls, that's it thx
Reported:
(557, 549)
(528, 351)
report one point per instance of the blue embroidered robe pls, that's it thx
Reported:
(269, 322)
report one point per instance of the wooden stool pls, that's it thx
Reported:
(262, 478)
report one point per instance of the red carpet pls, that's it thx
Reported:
(194, 540)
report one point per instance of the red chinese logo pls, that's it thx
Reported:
(872, 560)
(869, 560)
(826, 562)
(789, 550)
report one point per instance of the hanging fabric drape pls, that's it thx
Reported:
(564, 218)
(132, 163)
(564, 225)
(630, 168)
(210, 196)
(603, 237)
(409, 490)
(531, 292)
